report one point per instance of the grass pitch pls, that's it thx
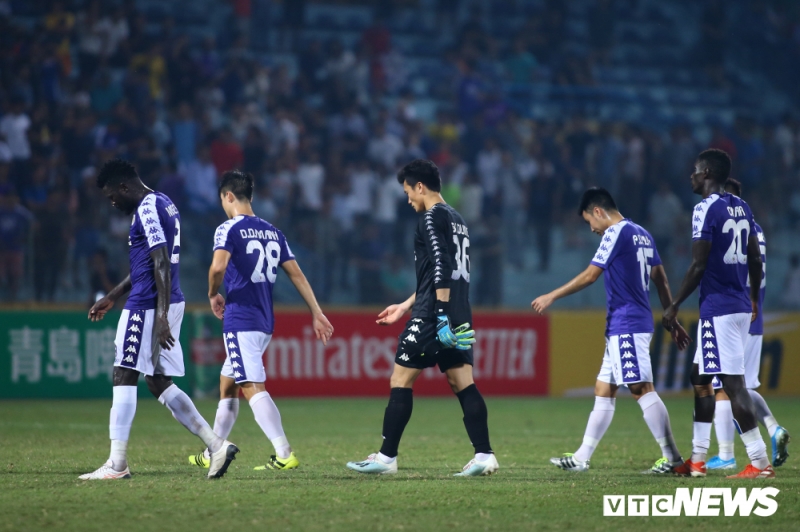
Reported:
(45, 445)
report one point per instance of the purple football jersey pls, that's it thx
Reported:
(757, 327)
(257, 248)
(156, 224)
(727, 222)
(627, 254)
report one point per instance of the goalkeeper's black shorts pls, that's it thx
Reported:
(418, 347)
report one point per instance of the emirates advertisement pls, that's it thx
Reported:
(511, 356)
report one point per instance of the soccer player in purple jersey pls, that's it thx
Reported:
(247, 254)
(628, 260)
(150, 325)
(725, 250)
(723, 415)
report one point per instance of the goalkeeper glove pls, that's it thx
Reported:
(465, 337)
(443, 331)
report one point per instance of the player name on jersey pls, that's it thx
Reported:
(260, 234)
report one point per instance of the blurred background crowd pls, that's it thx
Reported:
(521, 103)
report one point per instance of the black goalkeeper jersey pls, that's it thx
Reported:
(441, 256)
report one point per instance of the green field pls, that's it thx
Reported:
(45, 445)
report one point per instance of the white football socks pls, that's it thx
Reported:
(764, 413)
(724, 427)
(123, 409)
(657, 418)
(186, 413)
(269, 419)
(599, 421)
(386, 459)
(701, 440)
(227, 411)
(756, 448)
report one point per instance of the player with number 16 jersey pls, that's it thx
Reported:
(438, 332)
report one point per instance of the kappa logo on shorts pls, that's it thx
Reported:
(132, 343)
(628, 353)
(414, 328)
(411, 338)
(710, 350)
(404, 357)
(237, 364)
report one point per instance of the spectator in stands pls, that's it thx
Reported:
(370, 265)
(14, 128)
(102, 278)
(51, 234)
(521, 65)
(225, 152)
(15, 224)
(200, 179)
(791, 285)
(665, 213)
(601, 29)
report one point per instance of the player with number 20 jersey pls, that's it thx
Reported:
(725, 251)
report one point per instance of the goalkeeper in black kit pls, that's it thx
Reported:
(439, 329)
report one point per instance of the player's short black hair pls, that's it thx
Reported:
(421, 171)
(718, 163)
(114, 172)
(734, 185)
(596, 197)
(239, 183)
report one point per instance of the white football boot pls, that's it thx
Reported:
(221, 459)
(475, 468)
(374, 466)
(106, 472)
(568, 462)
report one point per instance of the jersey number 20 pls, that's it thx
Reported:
(273, 255)
(736, 254)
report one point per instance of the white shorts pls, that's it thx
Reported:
(720, 344)
(752, 362)
(134, 340)
(245, 351)
(627, 360)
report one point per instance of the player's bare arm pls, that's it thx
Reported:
(578, 283)
(322, 327)
(659, 277)
(216, 273)
(700, 251)
(393, 313)
(755, 269)
(162, 335)
(104, 304)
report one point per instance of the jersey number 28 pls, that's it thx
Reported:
(272, 253)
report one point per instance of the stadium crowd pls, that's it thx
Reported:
(324, 133)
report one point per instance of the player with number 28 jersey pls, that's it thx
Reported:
(257, 248)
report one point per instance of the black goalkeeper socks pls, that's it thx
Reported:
(475, 418)
(395, 419)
